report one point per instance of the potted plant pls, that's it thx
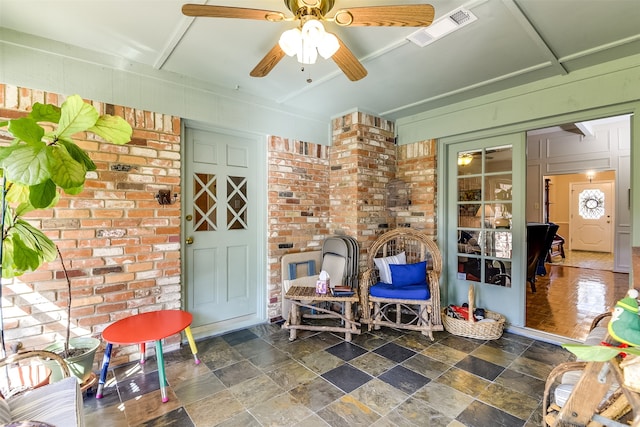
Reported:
(41, 161)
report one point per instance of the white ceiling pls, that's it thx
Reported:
(512, 42)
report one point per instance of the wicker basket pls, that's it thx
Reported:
(472, 329)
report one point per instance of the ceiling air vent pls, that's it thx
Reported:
(442, 26)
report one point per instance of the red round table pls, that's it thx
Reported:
(144, 327)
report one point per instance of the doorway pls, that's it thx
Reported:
(583, 156)
(224, 217)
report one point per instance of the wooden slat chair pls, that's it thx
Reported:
(413, 307)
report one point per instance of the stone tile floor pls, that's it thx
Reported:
(257, 377)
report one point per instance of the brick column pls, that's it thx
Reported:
(362, 161)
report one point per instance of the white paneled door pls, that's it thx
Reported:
(592, 216)
(221, 226)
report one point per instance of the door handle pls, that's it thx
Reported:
(189, 240)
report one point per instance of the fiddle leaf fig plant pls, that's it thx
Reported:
(41, 160)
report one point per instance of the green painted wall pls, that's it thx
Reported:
(605, 90)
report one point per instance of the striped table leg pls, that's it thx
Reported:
(143, 351)
(103, 372)
(161, 373)
(192, 344)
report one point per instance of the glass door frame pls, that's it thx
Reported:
(509, 301)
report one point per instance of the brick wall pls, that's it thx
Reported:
(417, 169)
(122, 249)
(298, 206)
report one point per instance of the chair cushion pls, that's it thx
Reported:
(383, 265)
(59, 403)
(403, 275)
(385, 290)
(5, 411)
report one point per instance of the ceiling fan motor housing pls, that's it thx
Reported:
(309, 7)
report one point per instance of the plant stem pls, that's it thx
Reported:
(3, 350)
(66, 276)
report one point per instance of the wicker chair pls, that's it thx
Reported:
(58, 403)
(397, 311)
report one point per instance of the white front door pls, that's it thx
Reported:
(222, 228)
(592, 216)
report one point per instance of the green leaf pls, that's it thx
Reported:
(76, 116)
(72, 191)
(27, 164)
(78, 154)
(8, 265)
(114, 129)
(6, 151)
(24, 208)
(25, 249)
(24, 257)
(18, 193)
(26, 129)
(4, 123)
(43, 195)
(45, 113)
(36, 239)
(599, 353)
(8, 218)
(65, 171)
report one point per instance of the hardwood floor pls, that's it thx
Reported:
(568, 298)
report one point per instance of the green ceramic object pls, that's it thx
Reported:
(80, 366)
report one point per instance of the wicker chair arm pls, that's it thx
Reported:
(42, 354)
(366, 281)
(598, 318)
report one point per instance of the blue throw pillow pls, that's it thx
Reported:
(408, 274)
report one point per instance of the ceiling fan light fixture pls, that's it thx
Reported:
(308, 42)
(290, 41)
(465, 159)
(307, 53)
(312, 32)
(328, 45)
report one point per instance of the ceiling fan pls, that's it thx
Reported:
(310, 38)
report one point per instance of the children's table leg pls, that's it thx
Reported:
(103, 372)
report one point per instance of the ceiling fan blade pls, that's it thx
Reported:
(348, 63)
(414, 15)
(211, 11)
(267, 63)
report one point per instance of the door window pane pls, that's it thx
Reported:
(591, 204)
(469, 162)
(484, 202)
(237, 203)
(205, 202)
